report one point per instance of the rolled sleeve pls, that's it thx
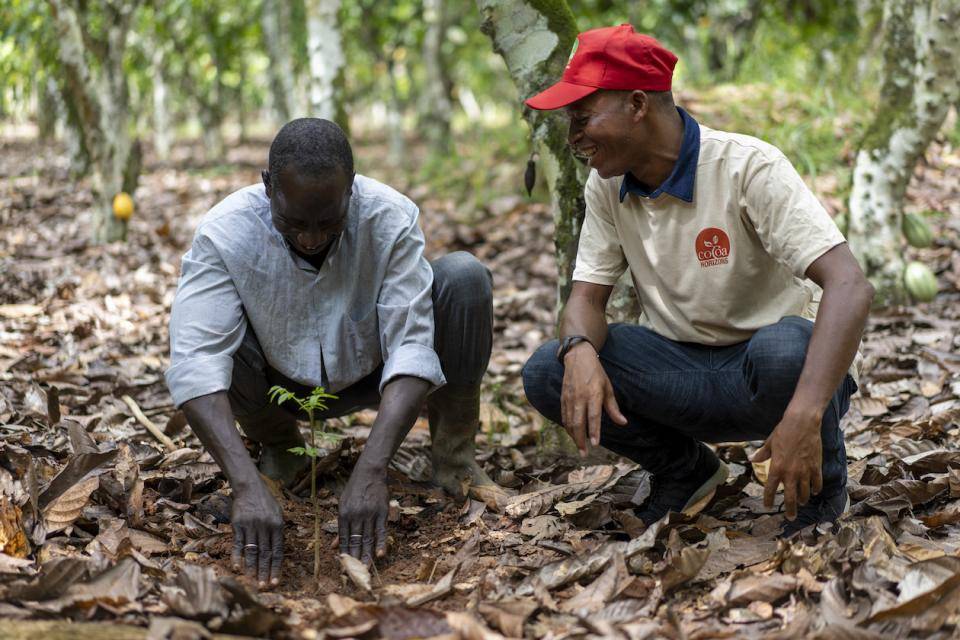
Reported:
(207, 325)
(600, 258)
(791, 223)
(405, 312)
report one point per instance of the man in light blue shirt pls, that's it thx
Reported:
(317, 278)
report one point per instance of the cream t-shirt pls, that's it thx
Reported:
(715, 270)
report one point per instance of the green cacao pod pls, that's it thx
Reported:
(916, 231)
(920, 282)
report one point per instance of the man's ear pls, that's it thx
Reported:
(640, 103)
(265, 176)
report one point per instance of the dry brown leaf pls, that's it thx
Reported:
(508, 616)
(869, 407)
(761, 588)
(601, 591)
(682, 567)
(13, 539)
(63, 511)
(442, 588)
(357, 571)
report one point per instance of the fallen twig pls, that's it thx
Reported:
(146, 422)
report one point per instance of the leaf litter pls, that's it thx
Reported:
(111, 510)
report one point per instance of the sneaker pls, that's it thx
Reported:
(817, 511)
(679, 494)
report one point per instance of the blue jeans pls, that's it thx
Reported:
(675, 394)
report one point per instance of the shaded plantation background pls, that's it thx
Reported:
(103, 523)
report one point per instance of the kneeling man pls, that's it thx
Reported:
(317, 278)
(722, 239)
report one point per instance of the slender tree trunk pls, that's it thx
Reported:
(99, 94)
(920, 82)
(214, 107)
(277, 38)
(48, 109)
(327, 62)
(161, 113)
(435, 100)
(398, 145)
(534, 38)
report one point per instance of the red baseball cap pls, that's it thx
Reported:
(610, 58)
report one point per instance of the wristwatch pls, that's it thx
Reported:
(567, 343)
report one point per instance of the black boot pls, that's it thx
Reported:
(679, 494)
(454, 414)
(276, 431)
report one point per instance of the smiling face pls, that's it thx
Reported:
(310, 211)
(604, 128)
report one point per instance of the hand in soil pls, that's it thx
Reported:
(364, 506)
(257, 534)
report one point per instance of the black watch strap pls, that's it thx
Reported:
(567, 343)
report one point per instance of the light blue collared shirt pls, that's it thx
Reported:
(370, 303)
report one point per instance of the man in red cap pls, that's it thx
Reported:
(733, 259)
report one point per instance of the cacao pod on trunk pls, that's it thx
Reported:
(920, 282)
(916, 231)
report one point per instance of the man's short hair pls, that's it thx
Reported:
(310, 146)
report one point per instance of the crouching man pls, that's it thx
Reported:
(317, 277)
(725, 244)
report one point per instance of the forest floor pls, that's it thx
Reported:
(101, 522)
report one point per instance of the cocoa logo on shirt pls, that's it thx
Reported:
(713, 247)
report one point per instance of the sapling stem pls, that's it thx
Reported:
(316, 401)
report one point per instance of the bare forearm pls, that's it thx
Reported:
(585, 315)
(211, 418)
(399, 407)
(836, 336)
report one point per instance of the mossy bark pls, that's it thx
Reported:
(921, 53)
(96, 88)
(535, 37)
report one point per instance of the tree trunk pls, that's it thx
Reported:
(277, 38)
(213, 107)
(921, 49)
(96, 86)
(325, 53)
(48, 109)
(534, 38)
(435, 100)
(161, 113)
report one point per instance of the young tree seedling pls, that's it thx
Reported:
(311, 405)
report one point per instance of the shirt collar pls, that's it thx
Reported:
(680, 182)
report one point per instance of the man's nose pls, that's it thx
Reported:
(311, 239)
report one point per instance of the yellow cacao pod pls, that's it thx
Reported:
(920, 282)
(122, 206)
(916, 231)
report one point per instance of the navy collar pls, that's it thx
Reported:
(680, 182)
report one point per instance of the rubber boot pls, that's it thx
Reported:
(454, 415)
(276, 431)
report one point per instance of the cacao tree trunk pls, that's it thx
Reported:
(277, 38)
(435, 101)
(96, 87)
(921, 58)
(534, 38)
(161, 112)
(327, 62)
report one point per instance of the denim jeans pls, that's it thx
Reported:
(675, 394)
(463, 338)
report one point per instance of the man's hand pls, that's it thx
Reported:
(257, 533)
(586, 394)
(364, 506)
(795, 453)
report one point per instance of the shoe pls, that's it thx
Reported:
(680, 494)
(454, 417)
(818, 510)
(276, 431)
